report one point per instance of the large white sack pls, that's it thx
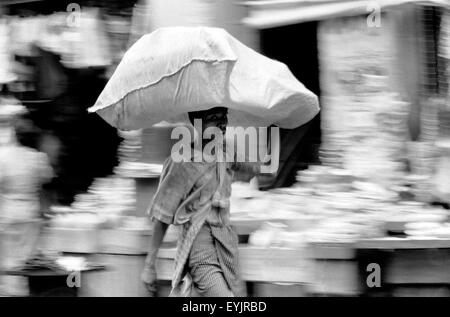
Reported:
(172, 71)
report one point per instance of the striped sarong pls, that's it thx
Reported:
(212, 263)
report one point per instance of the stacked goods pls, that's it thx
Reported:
(423, 155)
(428, 230)
(430, 114)
(102, 220)
(131, 146)
(444, 51)
(138, 170)
(157, 142)
(109, 198)
(6, 74)
(107, 202)
(24, 32)
(142, 152)
(373, 143)
(435, 129)
(130, 155)
(441, 178)
(118, 29)
(445, 35)
(76, 220)
(80, 39)
(348, 207)
(332, 205)
(364, 122)
(422, 158)
(444, 120)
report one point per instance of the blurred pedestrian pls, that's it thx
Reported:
(23, 172)
(196, 196)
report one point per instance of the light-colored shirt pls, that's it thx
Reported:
(22, 172)
(192, 194)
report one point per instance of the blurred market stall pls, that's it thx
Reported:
(367, 182)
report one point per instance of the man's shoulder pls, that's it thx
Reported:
(189, 168)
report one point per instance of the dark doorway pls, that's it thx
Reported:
(296, 46)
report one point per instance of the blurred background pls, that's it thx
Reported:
(366, 181)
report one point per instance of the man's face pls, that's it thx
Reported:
(215, 118)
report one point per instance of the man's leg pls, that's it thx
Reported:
(204, 266)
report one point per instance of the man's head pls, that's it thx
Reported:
(214, 117)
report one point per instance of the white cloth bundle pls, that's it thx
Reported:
(175, 70)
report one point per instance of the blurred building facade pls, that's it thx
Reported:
(370, 63)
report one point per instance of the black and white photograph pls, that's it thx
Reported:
(257, 149)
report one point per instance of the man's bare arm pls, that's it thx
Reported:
(149, 272)
(159, 231)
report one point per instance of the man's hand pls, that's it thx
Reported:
(148, 277)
